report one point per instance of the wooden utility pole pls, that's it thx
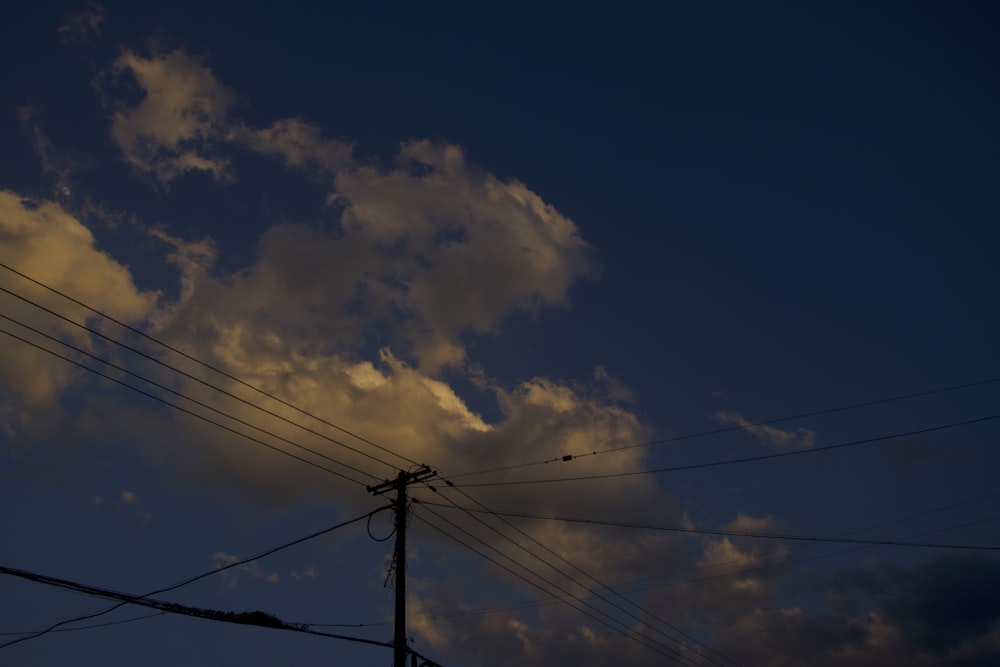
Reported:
(400, 483)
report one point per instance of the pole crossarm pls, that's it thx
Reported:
(419, 475)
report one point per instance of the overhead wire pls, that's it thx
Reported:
(180, 394)
(773, 566)
(487, 510)
(197, 415)
(141, 333)
(613, 623)
(89, 627)
(600, 584)
(630, 587)
(162, 387)
(255, 618)
(731, 429)
(710, 531)
(746, 459)
(194, 378)
(190, 376)
(203, 575)
(207, 365)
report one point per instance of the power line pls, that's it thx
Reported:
(88, 627)
(627, 632)
(747, 459)
(630, 585)
(804, 559)
(205, 364)
(185, 410)
(255, 618)
(725, 533)
(730, 429)
(600, 584)
(196, 401)
(164, 364)
(119, 367)
(195, 578)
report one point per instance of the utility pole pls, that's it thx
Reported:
(400, 483)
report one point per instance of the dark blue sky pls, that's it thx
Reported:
(662, 222)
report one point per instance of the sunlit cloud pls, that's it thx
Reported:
(43, 240)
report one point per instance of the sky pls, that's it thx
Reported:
(517, 244)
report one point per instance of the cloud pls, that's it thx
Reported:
(60, 165)
(183, 123)
(363, 321)
(297, 143)
(462, 249)
(772, 436)
(422, 255)
(422, 258)
(252, 569)
(617, 390)
(430, 248)
(128, 501)
(942, 612)
(81, 28)
(183, 111)
(939, 607)
(43, 240)
(293, 322)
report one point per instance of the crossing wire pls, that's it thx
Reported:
(747, 459)
(724, 533)
(731, 429)
(162, 387)
(191, 580)
(88, 627)
(630, 586)
(599, 583)
(200, 362)
(642, 640)
(255, 618)
(185, 410)
(170, 390)
(139, 332)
